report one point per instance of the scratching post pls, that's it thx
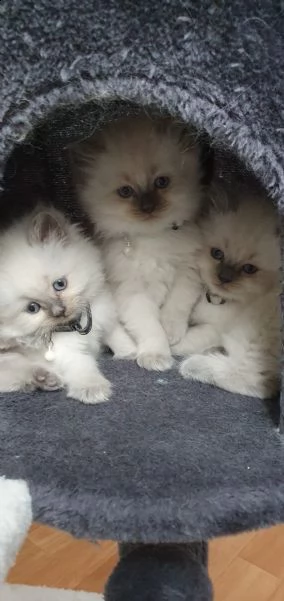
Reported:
(160, 573)
(166, 461)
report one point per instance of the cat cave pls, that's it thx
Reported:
(166, 464)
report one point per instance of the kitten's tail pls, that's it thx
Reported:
(246, 376)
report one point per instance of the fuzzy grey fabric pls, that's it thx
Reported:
(165, 460)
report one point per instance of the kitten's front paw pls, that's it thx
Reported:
(182, 348)
(196, 368)
(97, 392)
(175, 330)
(121, 344)
(155, 361)
(186, 346)
(126, 351)
(45, 380)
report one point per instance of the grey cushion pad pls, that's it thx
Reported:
(164, 460)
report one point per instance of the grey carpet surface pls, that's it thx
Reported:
(165, 460)
(162, 461)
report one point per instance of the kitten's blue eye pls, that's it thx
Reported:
(125, 192)
(33, 307)
(161, 182)
(60, 284)
(249, 269)
(217, 254)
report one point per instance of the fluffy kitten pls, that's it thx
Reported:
(239, 308)
(49, 274)
(140, 185)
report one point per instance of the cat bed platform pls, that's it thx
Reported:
(164, 460)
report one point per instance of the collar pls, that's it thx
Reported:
(128, 243)
(76, 325)
(214, 299)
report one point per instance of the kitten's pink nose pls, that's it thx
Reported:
(57, 309)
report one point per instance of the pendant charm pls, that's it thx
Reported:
(49, 355)
(127, 247)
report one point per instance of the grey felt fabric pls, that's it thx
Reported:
(164, 460)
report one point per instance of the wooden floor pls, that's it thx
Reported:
(249, 567)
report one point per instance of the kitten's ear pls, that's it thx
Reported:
(207, 159)
(82, 157)
(217, 199)
(82, 154)
(47, 225)
(189, 139)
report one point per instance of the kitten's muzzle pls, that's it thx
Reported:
(82, 323)
(58, 309)
(226, 273)
(147, 202)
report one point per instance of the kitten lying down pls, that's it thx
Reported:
(50, 275)
(234, 341)
(140, 183)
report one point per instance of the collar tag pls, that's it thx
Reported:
(49, 355)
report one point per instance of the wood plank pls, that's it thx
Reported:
(266, 550)
(243, 581)
(222, 551)
(279, 594)
(243, 568)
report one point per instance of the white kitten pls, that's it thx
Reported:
(239, 308)
(50, 273)
(140, 185)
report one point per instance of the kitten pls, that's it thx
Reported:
(49, 275)
(239, 308)
(140, 184)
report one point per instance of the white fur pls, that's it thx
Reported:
(33, 254)
(247, 326)
(149, 265)
(15, 520)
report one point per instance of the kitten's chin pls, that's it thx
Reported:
(139, 227)
(213, 289)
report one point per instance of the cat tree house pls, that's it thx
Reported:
(166, 464)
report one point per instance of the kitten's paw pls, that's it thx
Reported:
(27, 387)
(121, 344)
(126, 351)
(45, 380)
(186, 346)
(155, 361)
(175, 330)
(97, 392)
(128, 356)
(196, 367)
(181, 349)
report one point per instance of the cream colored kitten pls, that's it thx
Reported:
(140, 185)
(239, 308)
(50, 274)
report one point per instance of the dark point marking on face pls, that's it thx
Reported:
(148, 202)
(226, 273)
